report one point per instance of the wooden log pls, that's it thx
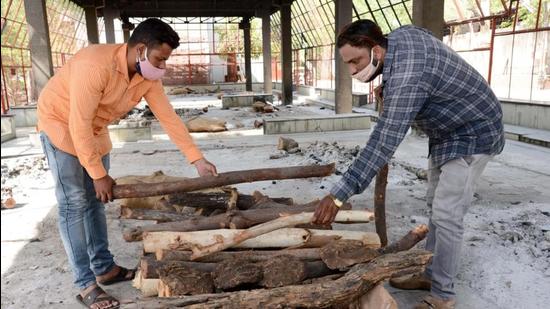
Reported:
(238, 219)
(288, 270)
(355, 283)
(149, 266)
(176, 280)
(344, 216)
(223, 179)
(307, 254)
(236, 273)
(282, 238)
(219, 200)
(148, 287)
(344, 253)
(380, 204)
(151, 214)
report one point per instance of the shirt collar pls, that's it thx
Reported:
(121, 61)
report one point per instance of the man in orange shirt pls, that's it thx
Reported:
(100, 84)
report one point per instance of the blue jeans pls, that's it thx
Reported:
(82, 222)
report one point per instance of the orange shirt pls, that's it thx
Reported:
(89, 92)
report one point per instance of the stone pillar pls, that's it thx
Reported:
(109, 15)
(126, 27)
(429, 14)
(286, 51)
(91, 24)
(343, 86)
(266, 50)
(245, 25)
(39, 44)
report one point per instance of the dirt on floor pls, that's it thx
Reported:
(506, 253)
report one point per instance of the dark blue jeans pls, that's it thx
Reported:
(82, 222)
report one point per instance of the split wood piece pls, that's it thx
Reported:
(151, 214)
(344, 253)
(286, 144)
(281, 238)
(178, 280)
(288, 270)
(356, 282)
(344, 216)
(307, 254)
(148, 287)
(236, 273)
(238, 219)
(223, 179)
(149, 266)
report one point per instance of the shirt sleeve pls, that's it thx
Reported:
(86, 87)
(171, 122)
(404, 96)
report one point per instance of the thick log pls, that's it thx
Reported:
(344, 216)
(235, 273)
(238, 219)
(288, 270)
(355, 283)
(178, 280)
(308, 254)
(150, 267)
(282, 238)
(223, 179)
(148, 287)
(344, 253)
(151, 214)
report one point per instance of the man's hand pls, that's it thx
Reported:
(205, 168)
(326, 211)
(104, 188)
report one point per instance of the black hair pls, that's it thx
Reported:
(362, 33)
(154, 32)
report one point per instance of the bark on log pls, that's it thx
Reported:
(308, 254)
(282, 238)
(151, 214)
(380, 204)
(218, 200)
(150, 267)
(288, 270)
(233, 274)
(238, 219)
(180, 280)
(344, 253)
(355, 283)
(344, 216)
(223, 179)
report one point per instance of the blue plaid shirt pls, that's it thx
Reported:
(425, 81)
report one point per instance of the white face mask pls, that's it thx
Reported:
(369, 72)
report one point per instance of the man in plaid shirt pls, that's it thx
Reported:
(427, 83)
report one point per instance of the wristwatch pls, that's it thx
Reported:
(336, 201)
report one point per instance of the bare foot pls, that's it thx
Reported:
(113, 273)
(104, 304)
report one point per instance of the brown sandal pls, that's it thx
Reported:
(93, 298)
(122, 275)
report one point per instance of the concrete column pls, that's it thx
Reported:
(286, 52)
(126, 33)
(91, 24)
(109, 15)
(39, 44)
(343, 85)
(429, 14)
(245, 25)
(266, 51)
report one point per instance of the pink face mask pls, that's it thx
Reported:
(147, 69)
(368, 73)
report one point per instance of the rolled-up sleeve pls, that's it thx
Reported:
(171, 122)
(86, 89)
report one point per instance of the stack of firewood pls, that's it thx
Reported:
(223, 249)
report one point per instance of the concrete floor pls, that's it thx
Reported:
(495, 272)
